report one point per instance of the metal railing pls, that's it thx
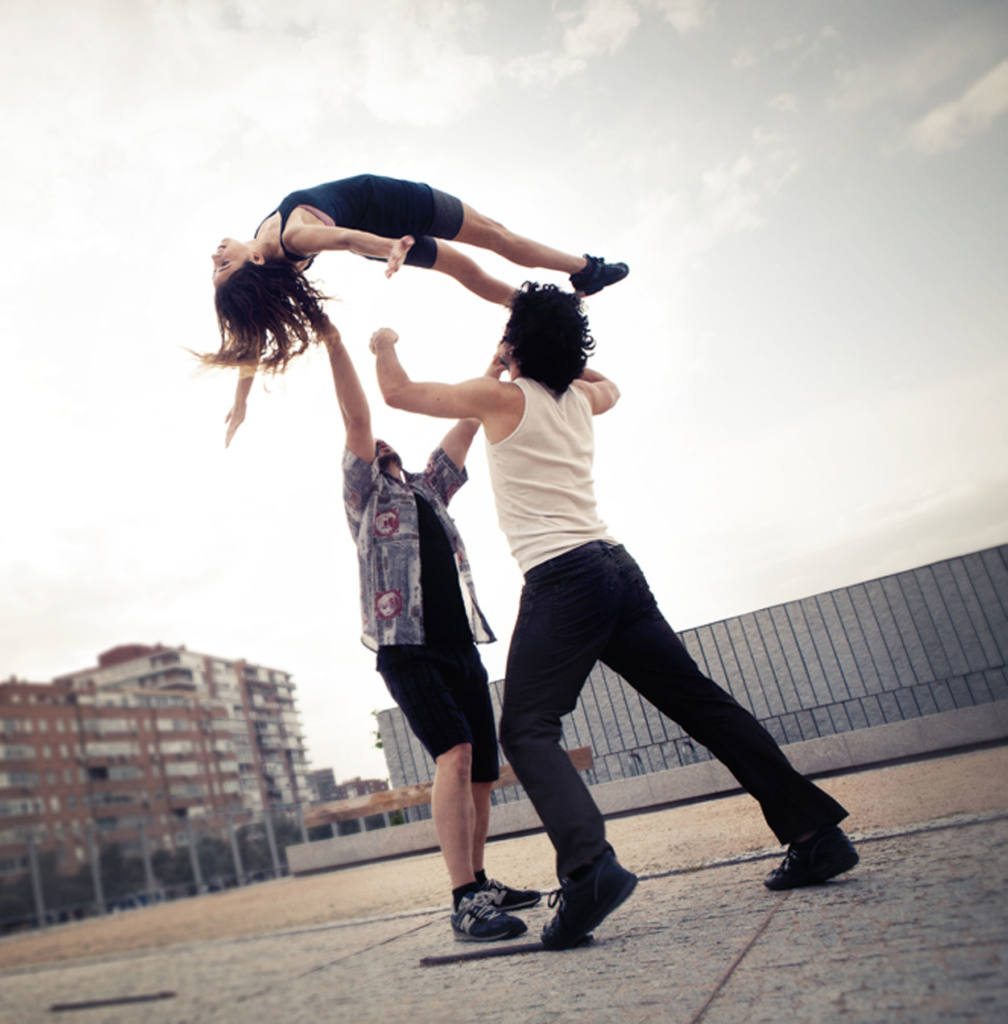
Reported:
(48, 881)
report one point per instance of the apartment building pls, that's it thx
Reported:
(259, 706)
(325, 788)
(82, 766)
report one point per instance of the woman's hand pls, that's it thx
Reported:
(234, 420)
(237, 414)
(397, 254)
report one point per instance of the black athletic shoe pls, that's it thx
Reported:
(476, 919)
(506, 898)
(826, 854)
(596, 274)
(585, 903)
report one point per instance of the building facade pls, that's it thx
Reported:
(258, 702)
(79, 767)
(325, 789)
(322, 785)
(914, 643)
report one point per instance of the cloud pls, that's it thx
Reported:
(683, 15)
(924, 65)
(689, 223)
(601, 27)
(418, 67)
(604, 27)
(729, 198)
(953, 124)
(786, 102)
(799, 47)
(598, 27)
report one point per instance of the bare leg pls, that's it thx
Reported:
(489, 234)
(481, 805)
(454, 812)
(450, 261)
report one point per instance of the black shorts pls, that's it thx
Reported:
(446, 223)
(444, 695)
(392, 207)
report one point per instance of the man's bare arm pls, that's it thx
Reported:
(459, 439)
(353, 402)
(496, 405)
(602, 393)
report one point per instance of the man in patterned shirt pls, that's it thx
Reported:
(424, 625)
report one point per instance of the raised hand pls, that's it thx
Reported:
(384, 335)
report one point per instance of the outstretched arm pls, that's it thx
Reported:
(353, 402)
(457, 441)
(497, 405)
(602, 393)
(234, 419)
(314, 238)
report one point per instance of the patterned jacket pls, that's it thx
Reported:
(383, 522)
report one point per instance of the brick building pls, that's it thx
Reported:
(258, 703)
(135, 748)
(78, 766)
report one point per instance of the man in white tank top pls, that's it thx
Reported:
(585, 600)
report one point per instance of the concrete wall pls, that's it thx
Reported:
(854, 749)
(889, 650)
(906, 665)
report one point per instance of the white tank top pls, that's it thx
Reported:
(541, 475)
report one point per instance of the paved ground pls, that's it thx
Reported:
(918, 932)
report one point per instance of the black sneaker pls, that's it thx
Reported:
(506, 898)
(596, 274)
(585, 903)
(476, 919)
(826, 854)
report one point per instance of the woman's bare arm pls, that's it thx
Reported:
(314, 238)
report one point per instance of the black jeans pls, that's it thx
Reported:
(594, 604)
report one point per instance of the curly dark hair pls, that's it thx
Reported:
(267, 313)
(548, 334)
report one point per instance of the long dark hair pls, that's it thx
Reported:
(267, 313)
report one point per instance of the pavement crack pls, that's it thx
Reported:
(333, 963)
(723, 980)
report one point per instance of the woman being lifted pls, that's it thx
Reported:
(267, 310)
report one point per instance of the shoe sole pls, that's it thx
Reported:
(596, 288)
(465, 937)
(607, 284)
(600, 912)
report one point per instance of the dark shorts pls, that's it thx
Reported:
(392, 207)
(444, 695)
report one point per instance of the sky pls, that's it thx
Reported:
(811, 344)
